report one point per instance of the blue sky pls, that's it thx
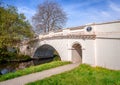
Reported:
(79, 12)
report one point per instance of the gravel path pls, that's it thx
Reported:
(39, 75)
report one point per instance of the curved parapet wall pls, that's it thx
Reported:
(69, 34)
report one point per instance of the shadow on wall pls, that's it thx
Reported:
(76, 53)
(45, 53)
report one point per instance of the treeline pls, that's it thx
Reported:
(13, 28)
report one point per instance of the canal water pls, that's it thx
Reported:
(14, 66)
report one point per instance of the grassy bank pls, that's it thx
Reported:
(83, 75)
(32, 69)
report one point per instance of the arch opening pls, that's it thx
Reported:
(76, 53)
(45, 53)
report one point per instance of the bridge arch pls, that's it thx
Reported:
(45, 51)
(76, 52)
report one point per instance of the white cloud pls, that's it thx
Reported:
(114, 6)
(77, 15)
(27, 12)
(105, 14)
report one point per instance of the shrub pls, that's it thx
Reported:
(56, 58)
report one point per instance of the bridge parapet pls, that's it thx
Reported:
(68, 33)
(89, 31)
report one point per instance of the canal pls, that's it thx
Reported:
(14, 66)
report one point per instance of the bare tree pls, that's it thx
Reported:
(50, 16)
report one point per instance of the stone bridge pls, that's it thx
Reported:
(94, 44)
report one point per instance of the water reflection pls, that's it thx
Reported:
(14, 66)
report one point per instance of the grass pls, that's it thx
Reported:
(83, 75)
(32, 69)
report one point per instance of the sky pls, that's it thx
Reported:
(79, 12)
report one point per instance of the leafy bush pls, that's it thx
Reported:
(23, 57)
(56, 58)
(6, 55)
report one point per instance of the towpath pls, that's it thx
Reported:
(39, 75)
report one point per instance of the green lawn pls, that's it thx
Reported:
(32, 69)
(83, 75)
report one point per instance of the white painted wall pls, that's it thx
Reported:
(23, 49)
(108, 45)
(111, 30)
(61, 46)
(64, 48)
(108, 53)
